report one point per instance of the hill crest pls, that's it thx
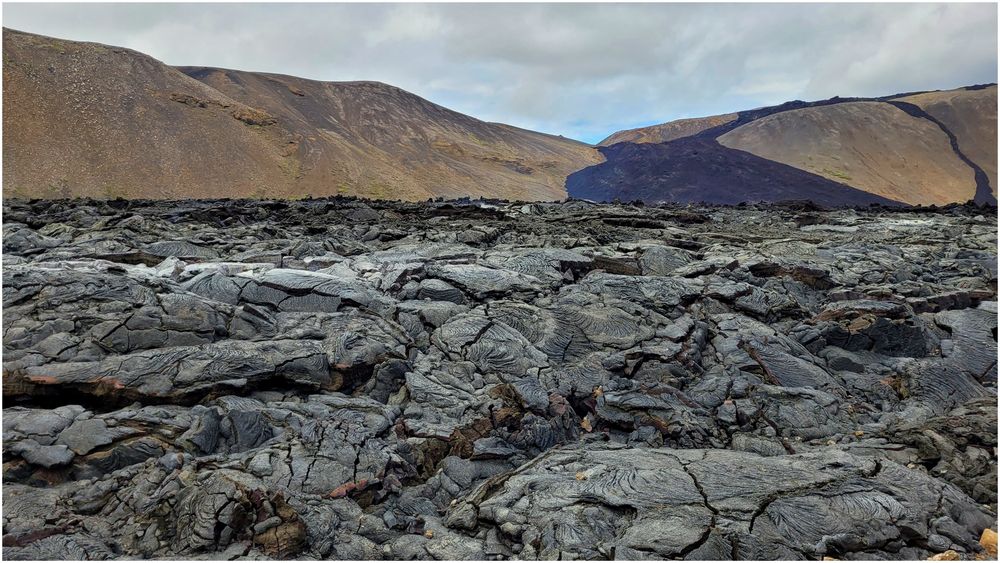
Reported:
(83, 123)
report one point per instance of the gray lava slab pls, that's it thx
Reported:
(342, 379)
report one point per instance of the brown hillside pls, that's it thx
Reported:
(873, 146)
(84, 119)
(668, 131)
(386, 142)
(972, 116)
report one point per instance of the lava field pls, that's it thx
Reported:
(349, 379)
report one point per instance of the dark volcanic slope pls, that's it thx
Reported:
(339, 379)
(83, 119)
(887, 147)
(697, 169)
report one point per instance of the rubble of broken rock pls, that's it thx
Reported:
(337, 378)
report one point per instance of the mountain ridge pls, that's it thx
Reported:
(92, 120)
(164, 135)
(919, 166)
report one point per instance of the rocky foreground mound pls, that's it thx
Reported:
(339, 379)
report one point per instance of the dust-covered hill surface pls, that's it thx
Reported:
(376, 140)
(872, 146)
(971, 115)
(90, 120)
(85, 119)
(342, 379)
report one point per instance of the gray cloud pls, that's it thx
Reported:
(582, 70)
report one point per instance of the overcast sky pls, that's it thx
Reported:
(581, 70)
